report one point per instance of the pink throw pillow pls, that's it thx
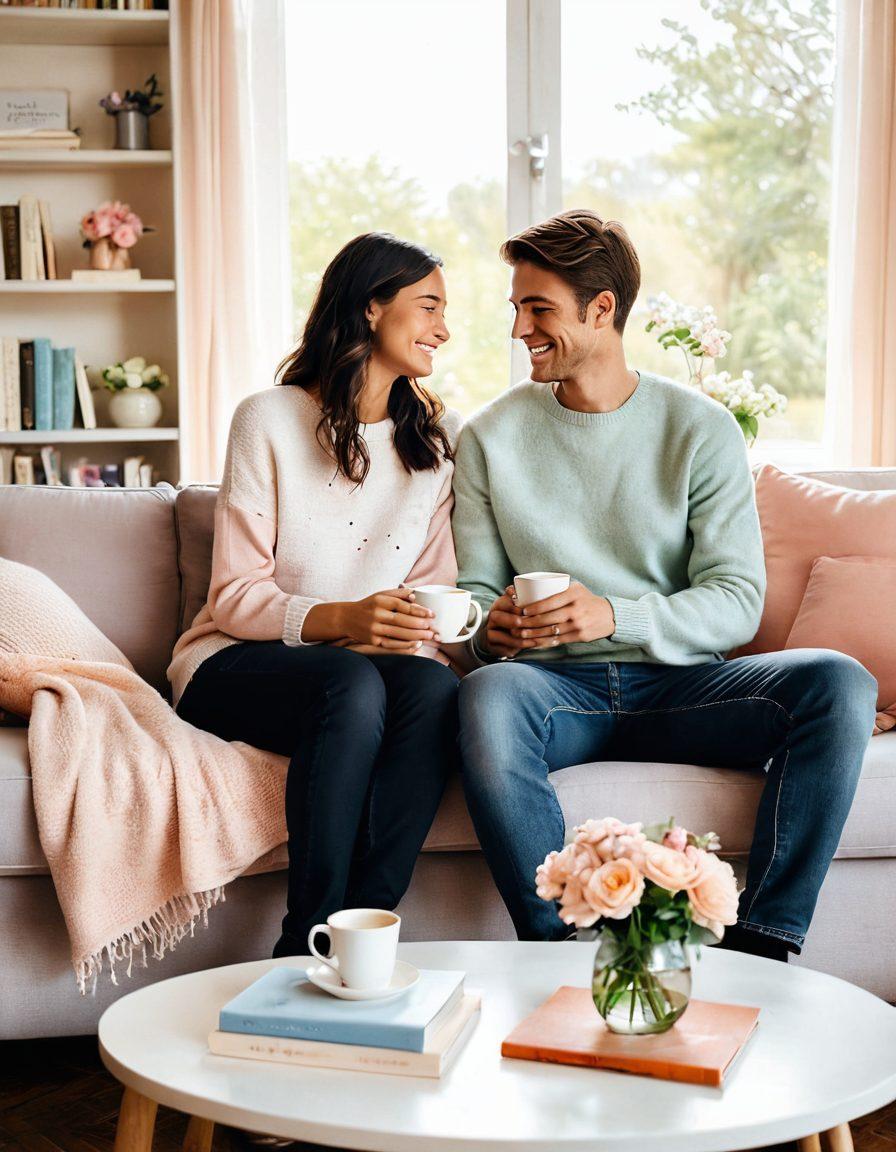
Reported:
(801, 520)
(850, 606)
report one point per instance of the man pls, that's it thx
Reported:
(640, 489)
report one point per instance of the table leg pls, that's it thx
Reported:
(839, 1139)
(809, 1143)
(199, 1135)
(136, 1123)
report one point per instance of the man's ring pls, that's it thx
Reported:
(556, 629)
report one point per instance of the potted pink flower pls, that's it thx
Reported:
(110, 232)
(649, 895)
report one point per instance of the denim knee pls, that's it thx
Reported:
(356, 690)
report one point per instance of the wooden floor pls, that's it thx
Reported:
(55, 1096)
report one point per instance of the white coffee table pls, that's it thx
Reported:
(824, 1054)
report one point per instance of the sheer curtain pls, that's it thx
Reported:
(233, 241)
(861, 410)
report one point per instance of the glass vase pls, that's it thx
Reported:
(642, 989)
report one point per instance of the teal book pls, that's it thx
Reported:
(284, 1002)
(43, 384)
(63, 389)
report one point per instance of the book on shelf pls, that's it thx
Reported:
(9, 222)
(700, 1048)
(435, 1059)
(284, 1003)
(39, 141)
(46, 230)
(52, 463)
(102, 276)
(39, 385)
(91, 5)
(29, 250)
(7, 455)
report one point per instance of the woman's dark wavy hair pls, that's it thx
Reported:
(337, 342)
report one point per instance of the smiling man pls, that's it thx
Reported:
(640, 489)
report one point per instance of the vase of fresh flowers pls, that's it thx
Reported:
(650, 896)
(110, 232)
(701, 340)
(134, 385)
(132, 112)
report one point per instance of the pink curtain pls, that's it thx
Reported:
(861, 408)
(227, 353)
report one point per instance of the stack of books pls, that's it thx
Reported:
(62, 139)
(38, 386)
(91, 5)
(28, 249)
(45, 467)
(285, 1018)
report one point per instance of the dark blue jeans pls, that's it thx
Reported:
(371, 740)
(805, 716)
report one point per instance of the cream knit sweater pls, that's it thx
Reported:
(291, 531)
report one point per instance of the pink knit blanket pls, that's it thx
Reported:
(143, 818)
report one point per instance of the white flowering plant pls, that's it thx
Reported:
(700, 337)
(134, 373)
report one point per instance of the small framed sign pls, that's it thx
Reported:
(24, 110)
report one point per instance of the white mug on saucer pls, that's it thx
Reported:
(453, 608)
(363, 946)
(534, 586)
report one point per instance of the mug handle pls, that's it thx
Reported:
(332, 963)
(470, 629)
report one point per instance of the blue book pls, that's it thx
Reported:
(63, 388)
(284, 1002)
(43, 384)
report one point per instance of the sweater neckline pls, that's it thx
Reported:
(554, 408)
(373, 433)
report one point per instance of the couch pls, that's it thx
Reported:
(137, 561)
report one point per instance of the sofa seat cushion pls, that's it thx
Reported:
(724, 800)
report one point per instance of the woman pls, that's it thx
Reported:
(336, 493)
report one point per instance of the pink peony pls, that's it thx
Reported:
(676, 838)
(552, 875)
(713, 896)
(614, 889)
(669, 868)
(124, 236)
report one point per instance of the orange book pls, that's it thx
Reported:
(698, 1049)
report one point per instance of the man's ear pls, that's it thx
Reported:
(604, 305)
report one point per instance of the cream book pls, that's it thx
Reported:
(432, 1062)
(85, 396)
(31, 248)
(12, 397)
(112, 276)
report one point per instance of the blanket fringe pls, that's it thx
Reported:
(160, 933)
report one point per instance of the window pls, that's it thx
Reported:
(708, 135)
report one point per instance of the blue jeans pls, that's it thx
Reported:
(804, 715)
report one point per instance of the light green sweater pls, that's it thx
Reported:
(650, 505)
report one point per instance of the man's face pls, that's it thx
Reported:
(547, 321)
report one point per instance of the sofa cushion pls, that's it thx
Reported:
(803, 519)
(113, 550)
(194, 512)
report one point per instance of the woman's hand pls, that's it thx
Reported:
(388, 620)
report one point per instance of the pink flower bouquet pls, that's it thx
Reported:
(109, 231)
(660, 888)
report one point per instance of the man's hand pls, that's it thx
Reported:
(575, 616)
(503, 615)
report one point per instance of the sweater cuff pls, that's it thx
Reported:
(632, 621)
(296, 611)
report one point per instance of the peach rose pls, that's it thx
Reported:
(669, 868)
(713, 897)
(552, 875)
(574, 907)
(614, 889)
(609, 839)
(676, 838)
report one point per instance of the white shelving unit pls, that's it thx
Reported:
(90, 53)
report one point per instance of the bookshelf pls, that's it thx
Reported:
(90, 53)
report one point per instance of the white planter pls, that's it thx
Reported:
(135, 408)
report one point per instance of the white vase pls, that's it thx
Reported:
(135, 408)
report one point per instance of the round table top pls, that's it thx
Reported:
(824, 1053)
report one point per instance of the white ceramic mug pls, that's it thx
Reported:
(453, 608)
(534, 586)
(363, 946)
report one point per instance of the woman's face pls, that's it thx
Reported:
(408, 330)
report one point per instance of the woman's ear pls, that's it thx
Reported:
(373, 312)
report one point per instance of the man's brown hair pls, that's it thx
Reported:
(590, 254)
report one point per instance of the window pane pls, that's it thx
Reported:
(708, 136)
(404, 130)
